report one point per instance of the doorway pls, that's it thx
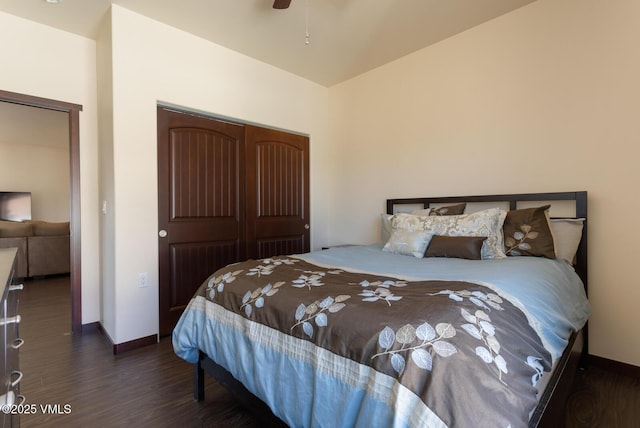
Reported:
(73, 115)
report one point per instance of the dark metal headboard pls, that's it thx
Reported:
(580, 199)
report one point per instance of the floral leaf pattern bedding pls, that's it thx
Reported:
(465, 352)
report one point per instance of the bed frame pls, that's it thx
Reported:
(550, 411)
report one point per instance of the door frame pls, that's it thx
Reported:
(73, 113)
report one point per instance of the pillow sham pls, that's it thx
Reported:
(459, 247)
(408, 242)
(527, 233)
(487, 223)
(385, 227)
(385, 219)
(567, 234)
(456, 209)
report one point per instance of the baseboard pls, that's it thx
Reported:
(92, 326)
(615, 366)
(119, 348)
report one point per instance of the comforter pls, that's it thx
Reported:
(358, 337)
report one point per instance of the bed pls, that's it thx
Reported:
(380, 335)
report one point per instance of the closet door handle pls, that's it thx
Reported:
(16, 287)
(162, 233)
(306, 226)
(18, 379)
(10, 320)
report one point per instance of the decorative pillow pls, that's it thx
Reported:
(460, 247)
(527, 233)
(385, 219)
(407, 242)
(385, 227)
(15, 229)
(407, 221)
(449, 209)
(567, 234)
(486, 223)
(46, 228)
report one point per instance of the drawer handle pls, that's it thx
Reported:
(18, 379)
(17, 343)
(16, 287)
(8, 398)
(10, 320)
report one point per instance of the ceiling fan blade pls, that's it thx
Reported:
(281, 4)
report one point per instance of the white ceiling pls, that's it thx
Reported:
(347, 37)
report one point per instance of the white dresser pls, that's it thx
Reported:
(10, 397)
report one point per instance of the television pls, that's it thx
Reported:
(15, 206)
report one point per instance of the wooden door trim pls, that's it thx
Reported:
(73, 111)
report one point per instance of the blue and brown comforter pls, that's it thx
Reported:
(325, 346)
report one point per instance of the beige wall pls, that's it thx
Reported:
(34, 157)
(545, 98)
(41, 170)
(38, 60)
(107, 224)
(153, 63)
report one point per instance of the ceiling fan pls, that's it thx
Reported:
(281, 4)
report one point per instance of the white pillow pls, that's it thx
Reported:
(385, 227)
(482, 223)
(408, 242)
(407, 221)
(385, 223)
(567, 234)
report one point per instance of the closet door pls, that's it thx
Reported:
(200, 205)
(277, 195)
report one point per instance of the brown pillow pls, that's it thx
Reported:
(449, 210)
(459, 247)
(15, 229)
(527, 233)
(46, 228)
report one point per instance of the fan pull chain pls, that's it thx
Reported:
(306, 35)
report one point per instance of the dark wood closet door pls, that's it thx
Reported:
(200, 205)
(277, 193)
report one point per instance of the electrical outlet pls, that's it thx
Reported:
(143, 280)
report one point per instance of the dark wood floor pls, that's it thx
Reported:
(151, 387)
(147, 387)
